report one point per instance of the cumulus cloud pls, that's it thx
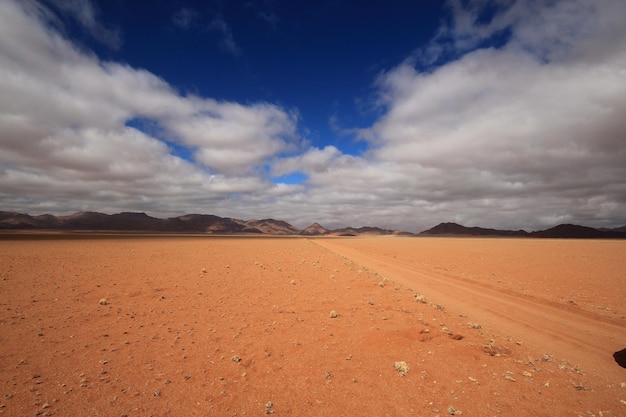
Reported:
(65, 136)
(512, 117)
(523, 135)
(534, 123)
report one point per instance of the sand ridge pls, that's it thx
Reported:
(239, 326)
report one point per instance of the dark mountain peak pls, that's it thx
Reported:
(459, 230)
(575, 231)
(315, 229)
(272, 226)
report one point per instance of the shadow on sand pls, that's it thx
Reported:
(620, 357)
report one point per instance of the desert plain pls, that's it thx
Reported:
(192, 325)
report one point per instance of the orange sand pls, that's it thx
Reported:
(168, 326)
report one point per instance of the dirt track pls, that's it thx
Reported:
(169, 326)
(588, 338)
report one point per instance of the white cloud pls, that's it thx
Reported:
(63, 116)
(511, 137)
(527, 135)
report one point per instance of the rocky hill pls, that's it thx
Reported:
(141, 222)
(563, 231)
(455, 229)
(208, 223)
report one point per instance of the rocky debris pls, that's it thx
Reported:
(402, 367)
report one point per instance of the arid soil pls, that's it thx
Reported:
(103, 325)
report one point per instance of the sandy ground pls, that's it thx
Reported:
(173, 326)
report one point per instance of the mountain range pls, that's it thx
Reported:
(567, 231)
(207, 223)
(188, 223)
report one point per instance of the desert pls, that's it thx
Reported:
(105, 324)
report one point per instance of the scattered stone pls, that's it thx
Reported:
(453, 412)
(333, 314)
(269, 408)
(203, 270)
(401, 367)
(527, 374)
(104, 301)
(293, 282)
(473, 325)
(236, 359)
(420, 298)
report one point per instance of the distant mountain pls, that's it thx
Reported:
(573, 231)
(203, 223)
(371, 231)
(208, 223)
(563, 231)
(455, 229)
(315, 229)
(98, 221)
(199, 223)
(272, 227)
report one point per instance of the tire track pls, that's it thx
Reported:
(575, 335)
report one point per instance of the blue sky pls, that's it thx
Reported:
(318, 59)
(497, 113)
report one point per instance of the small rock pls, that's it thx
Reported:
(293, 282)
(421, 298)
(236, 359)
(269, 408)
(401, 367)
(104, 301)
(203, 270)
(333, 314)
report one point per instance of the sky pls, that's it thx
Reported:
(397, 114)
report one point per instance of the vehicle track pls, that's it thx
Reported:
(583, 338)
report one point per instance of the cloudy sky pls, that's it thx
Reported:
(398, 114)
